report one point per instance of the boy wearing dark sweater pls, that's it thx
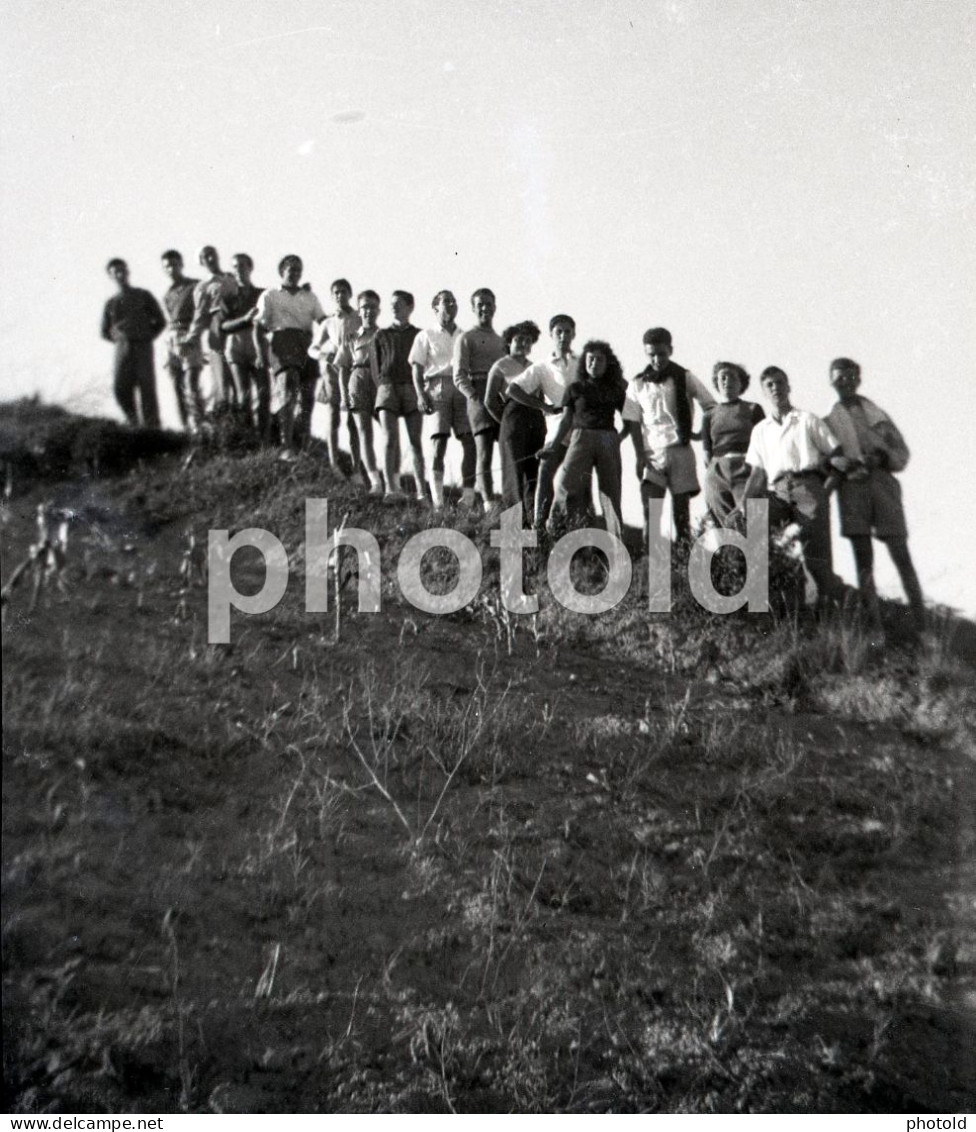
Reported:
(395, 393)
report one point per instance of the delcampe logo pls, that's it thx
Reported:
(509, 539)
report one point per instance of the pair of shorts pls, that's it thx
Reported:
(183, 356)
(239, 349)
(672, 470)
(362, 390)
(450, 407)
(398, 397)
(479, 418)
(872, 506)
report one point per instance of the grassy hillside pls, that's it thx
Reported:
(405, 863)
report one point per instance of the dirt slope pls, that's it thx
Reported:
(444, 864)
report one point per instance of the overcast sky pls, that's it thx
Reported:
(776, 181)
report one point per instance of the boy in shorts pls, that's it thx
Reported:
(395, 394)
(475, 352)
(869, 494)
(184, 360)
(330, 336)
(357, 389)
(210, 297)
(288, 314)
(658, 414)
(432, 358)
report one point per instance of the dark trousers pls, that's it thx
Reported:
(799, 497)
(544, 487)
(306, 401)
(186, 386)
(522, 434)
(134, 379)
(591, 449)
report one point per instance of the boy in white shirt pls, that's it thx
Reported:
(287, 314)
(431, 360)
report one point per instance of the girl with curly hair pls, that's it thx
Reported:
(589, 412)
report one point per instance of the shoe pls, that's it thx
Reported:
(468, 497)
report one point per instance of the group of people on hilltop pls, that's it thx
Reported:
(273, 353)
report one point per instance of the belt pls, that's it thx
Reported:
(790, 477)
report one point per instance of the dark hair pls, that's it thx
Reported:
(528, 328)
(440, 295)
(244, 256)
(171, 254)
(287, 259)
(116, 262)
(405, 295)
(736, 368)
(772, 371)
(341, 283)
(845, 363)
(481, 292)
(657, 336)
(371, 295)
(597, 346)
(558, 318)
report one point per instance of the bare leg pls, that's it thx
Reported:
(389, 423)
(469, 459)
(353, 444)
(365, 422)
(195, 403)
(437, 470)
(415, 432)
(864, 564)
(898, 549)
(241, 374)
(332, 437)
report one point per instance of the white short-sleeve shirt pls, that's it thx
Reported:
(653, 405)
(281, 310)
(550, 378)
(433, 351)
(798, 443)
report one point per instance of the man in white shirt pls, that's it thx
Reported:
(788, 454)
(288, 313)
(658, 414)
(431, 360)
(543, 386)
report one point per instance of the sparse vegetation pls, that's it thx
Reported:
(474, 863)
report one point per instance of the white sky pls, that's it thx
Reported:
(777, 181)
